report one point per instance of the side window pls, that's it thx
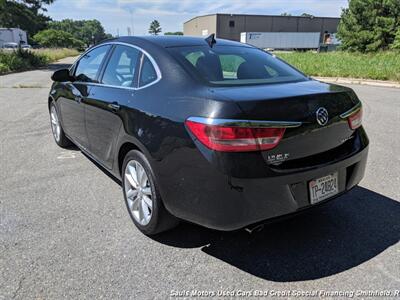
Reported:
(89, 64)
(192, 57)
(120, 70)
(147, 73)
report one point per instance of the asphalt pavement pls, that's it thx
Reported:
(65, 232)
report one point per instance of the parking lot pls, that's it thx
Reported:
(65, 231)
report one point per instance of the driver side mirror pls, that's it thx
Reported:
(62, 76)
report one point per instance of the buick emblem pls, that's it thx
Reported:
(322, 116)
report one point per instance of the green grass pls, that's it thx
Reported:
(380, 65)
(11, 61)
(56, 53)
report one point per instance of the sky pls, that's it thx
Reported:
(117, 15)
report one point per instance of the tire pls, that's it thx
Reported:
(56, 128)
(150, 217)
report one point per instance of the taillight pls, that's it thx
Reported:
(235, 138)
(355, 119)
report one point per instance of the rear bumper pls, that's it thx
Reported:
(276, 197)
(201, 194)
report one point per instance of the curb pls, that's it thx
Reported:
(341, 80)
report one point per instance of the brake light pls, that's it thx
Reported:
(355, 120)
(235, 139)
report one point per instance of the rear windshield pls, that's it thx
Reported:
(234, 65)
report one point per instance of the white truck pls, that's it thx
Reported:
(282, 40)
(9, 36)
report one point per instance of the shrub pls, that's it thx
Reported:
(4, 68)
(57, 39)
(27, 59)
(12, 60)
(33, 59)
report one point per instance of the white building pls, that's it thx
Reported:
(12, 35)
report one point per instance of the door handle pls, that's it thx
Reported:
(114, 106)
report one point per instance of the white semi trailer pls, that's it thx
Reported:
(282, 40)
(12, 35)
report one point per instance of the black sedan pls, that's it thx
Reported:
(211, 131)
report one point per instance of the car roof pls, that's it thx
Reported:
(168, 41)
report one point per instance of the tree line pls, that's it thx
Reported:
(79, 33)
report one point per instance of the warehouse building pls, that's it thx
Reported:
(227, 26)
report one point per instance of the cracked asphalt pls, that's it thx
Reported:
(65, 232)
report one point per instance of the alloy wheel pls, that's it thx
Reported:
(138, 192)
(55, 123)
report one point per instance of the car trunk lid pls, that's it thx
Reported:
(298, 102)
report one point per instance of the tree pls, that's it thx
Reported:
(155, 28)
(88, 31)
(92, 32)
(285, 14)
(37, 4)
(369, 25)
(174, 33)
(25, 14)
(57, 39)
(306, 15)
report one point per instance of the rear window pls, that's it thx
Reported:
(230, 65)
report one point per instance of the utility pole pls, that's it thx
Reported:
(131, 13)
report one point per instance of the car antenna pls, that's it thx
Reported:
(211, 40)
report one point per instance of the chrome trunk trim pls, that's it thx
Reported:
(245, 123)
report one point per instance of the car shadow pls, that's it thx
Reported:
(321, 242)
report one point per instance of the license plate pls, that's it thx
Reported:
(323, 188)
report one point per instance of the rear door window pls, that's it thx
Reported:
(89, 64)
(120, 70)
